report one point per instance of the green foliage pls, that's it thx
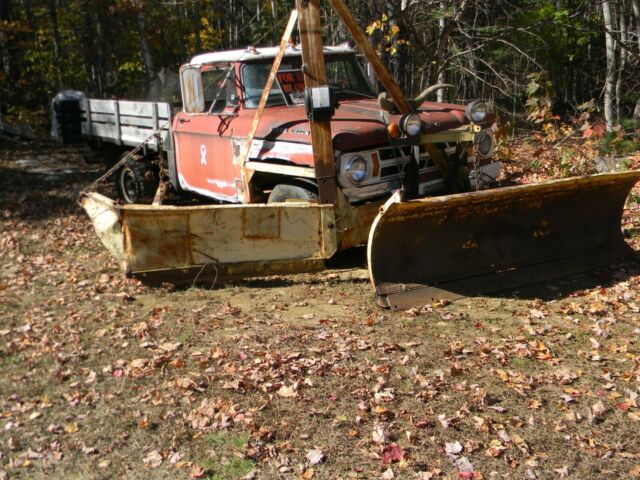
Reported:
(540, 95)
(490, 50)
(613, 144)
(624, 140)
(536, 166)
(386, 35)
(226, 462)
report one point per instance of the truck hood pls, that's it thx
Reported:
(356, 125)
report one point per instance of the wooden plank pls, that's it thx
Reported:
(265, 95)
(315, 76)
(144, 109)
(149, 122)
(104, 130)
(135, 134)
(103, 118)
(139, 121)
(141, 134)
(140, 109)
(294, 171)
(101, 106)
(385, 77)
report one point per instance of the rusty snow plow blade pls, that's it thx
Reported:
(423, 250)
(208, 244)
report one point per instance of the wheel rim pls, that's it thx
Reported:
(129, 185)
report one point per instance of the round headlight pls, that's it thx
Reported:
(477, 111)
(411, 124)
(484, 142)
(356, 169)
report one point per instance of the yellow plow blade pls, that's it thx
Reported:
(212, 243)
(423, 250)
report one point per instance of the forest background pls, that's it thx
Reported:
(539, 61)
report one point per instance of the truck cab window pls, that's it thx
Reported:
(344, 75)
(254, 78)
(219, 90)
(191, 86)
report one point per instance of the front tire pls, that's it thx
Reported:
(137, 180)
(285, 191)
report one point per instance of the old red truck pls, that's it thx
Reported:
(421, 242)
(202, 137)
(394, 173)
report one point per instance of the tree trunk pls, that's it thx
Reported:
(56, 41)
(31, 21)
(441, 51)
(147, 58)
(610, 79)
(197, 25)
(636, 15)
(5, 58)
(624, 39)
(445, 28)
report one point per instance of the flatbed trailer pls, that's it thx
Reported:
(125, 122)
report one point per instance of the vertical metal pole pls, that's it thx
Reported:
(116, 114)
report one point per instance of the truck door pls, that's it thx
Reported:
(202, 132)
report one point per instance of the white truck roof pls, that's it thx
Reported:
(258, 54)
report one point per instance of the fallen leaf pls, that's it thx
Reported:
(139, 363)
(388, 474)
(392, 453)
(71, 428)
(597, 410)
(196, 472)
(287, 392)
(635, 416)
(307, 474)
(153, 459)
(314, 456)
(464, 465)
(89, 450)
(169, 347)
(379, 433)
(453, 448)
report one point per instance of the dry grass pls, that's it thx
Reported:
(104, 378)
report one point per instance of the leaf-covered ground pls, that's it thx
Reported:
(295, 377)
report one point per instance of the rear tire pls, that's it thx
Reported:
(285, 191)
(137, 180)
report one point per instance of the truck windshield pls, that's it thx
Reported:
(343, 75)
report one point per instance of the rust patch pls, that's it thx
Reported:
(353, 222)
(261, 223)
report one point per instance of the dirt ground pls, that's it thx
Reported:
(299, 376)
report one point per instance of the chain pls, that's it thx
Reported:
(121, 162)
(476, 165)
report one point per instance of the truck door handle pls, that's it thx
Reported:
(184, 120)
